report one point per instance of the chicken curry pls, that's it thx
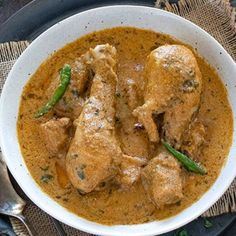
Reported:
(136, 126)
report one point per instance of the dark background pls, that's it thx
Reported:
(9, 7)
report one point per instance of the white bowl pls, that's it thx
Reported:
(72, 28)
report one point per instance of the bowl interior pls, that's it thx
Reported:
(71, 29)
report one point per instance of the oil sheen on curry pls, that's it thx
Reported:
(132, 127)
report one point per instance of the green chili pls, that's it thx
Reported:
(46, 178)
(65, 76)
(182, 232)
(189, 164)
(207, 223)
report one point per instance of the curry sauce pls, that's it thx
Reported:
(113, 206)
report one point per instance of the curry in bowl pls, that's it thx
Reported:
(125, 126)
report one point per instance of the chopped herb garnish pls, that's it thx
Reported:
(46, 178)
(118, 94)
(182, 232)
(45, 168)
(75, 92)
(81, 173)
(190, 85)
(207, 223)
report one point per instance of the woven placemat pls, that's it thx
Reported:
(217, 18)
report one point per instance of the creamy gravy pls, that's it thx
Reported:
(113, 206)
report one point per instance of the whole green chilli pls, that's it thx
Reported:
(188, 163)
(65, 76)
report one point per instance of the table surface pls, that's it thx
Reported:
(9, 7)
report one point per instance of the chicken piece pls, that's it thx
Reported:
(193, 139)
(162, 181)
(80, 74)
(55, 134)
(94, 153)
(173, 87)
(130, 170)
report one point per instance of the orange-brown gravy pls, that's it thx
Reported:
(113, 206)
